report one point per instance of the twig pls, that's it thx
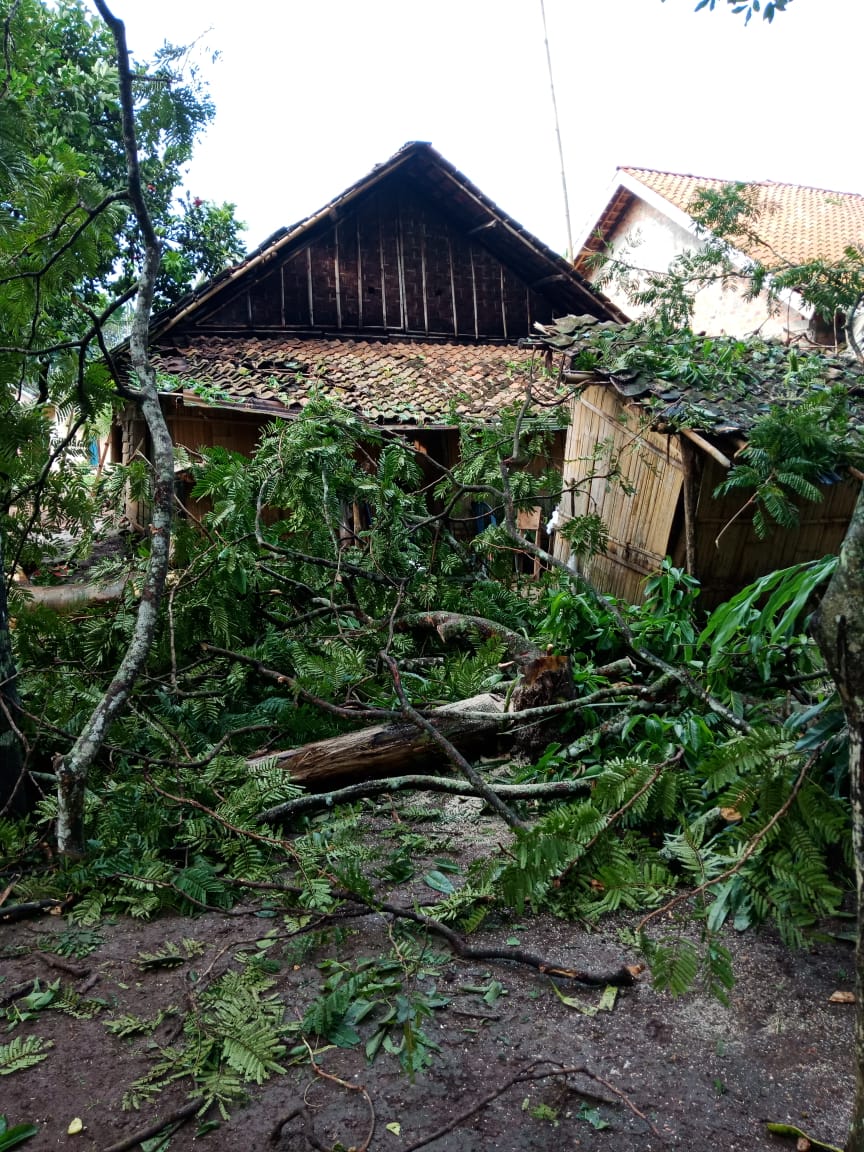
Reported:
(63, 965)
(547, 791)
(626, 806)
(452, 753)
(190, 803)
(276, 1130)
(180, 1116)
(349, 1088)
(623, 977)
(32, 908)
(290, 682)
(521, 1076)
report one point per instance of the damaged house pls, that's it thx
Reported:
(672, 433)
(403, 300)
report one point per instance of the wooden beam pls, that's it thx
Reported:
(474, 293)
(423, 272)
(309, 287)
(557, 277)
(482, 227)
(359, 277)
(688, 459)
(706, 446)
(336, 280)
(452, 284)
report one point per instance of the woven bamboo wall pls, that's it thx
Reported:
(639, 519)
(648, 524)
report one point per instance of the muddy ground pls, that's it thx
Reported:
(683, 1073)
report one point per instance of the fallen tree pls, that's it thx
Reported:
(388, 748)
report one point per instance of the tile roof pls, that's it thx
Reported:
(796, 222)
(755, 375)
(390, 381)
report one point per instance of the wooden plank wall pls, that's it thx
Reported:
(729, 554)
(640, 514)
(395, 263)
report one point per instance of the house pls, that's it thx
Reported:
(403, 299)
(645, 220)
(674, 441)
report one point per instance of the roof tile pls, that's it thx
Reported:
(393, 381)
(797, 223)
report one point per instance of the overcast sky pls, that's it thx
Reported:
(310, 95)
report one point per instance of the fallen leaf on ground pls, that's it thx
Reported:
(841, 998)
(395, 1127)
(791, 1130)
(75, 1126)
(607, 1001)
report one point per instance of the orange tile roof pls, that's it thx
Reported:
(390, 381)
(797, 223)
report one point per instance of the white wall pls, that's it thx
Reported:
(717, 310)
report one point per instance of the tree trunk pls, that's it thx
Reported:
(839, 631)
(13, 800)
(62, 597)
(387, 749)
(72, 769)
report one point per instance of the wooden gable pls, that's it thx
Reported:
(414, 250)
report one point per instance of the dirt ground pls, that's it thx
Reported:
(683, 1073)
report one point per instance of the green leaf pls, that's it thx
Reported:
(606, 1003)
(495, 989)
(373, 1044)
(439, 882)
(20, 1054)
(11, 1137)
(796, 1134)
(592, 1116)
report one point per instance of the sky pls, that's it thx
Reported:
(311, 94)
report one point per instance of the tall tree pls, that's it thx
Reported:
(70, 244)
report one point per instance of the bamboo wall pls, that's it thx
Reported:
(647, 523)
(200, 426)
(729, 554)
(641, 513)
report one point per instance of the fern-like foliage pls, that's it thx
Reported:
(23, 1052)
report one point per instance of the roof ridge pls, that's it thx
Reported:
(767, 182)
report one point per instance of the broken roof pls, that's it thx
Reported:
(797, 223)
(718, 385)
(395, 383)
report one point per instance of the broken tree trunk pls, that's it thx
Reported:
(389, 748)
(61, 597)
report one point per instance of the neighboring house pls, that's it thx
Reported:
(675, 443)
(403, 298)
(645, 221)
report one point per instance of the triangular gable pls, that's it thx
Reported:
(414, 249)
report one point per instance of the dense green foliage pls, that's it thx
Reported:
(68, 253)
(727, 776)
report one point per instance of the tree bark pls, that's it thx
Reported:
(72, 769)
(13, 800)
(61, 597)
(316, 802)
(388, 748)
(839, 631)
